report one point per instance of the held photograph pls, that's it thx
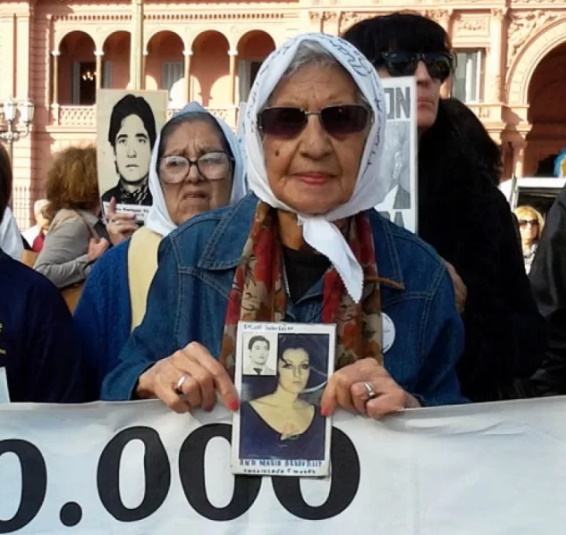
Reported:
(127, 126)
(281, 372)
(399, 159)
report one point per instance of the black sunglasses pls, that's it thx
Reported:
(336, 120)
(438, 64)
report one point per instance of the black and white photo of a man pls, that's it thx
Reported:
(258, 358)
(132, 134)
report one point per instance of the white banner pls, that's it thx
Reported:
(138, 468)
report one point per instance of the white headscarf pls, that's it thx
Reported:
(158, 218)
(319, 231)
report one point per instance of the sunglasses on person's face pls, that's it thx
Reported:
(525, 222)
(336, 120)
(438, 64)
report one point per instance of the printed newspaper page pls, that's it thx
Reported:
(399, 160)
(281, 371)
(127, 124)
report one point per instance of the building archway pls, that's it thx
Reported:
(253, 48)
(546, 113)
(116, 60)
(76, 70)
(536, 40)
(165, 67)
(210, 70)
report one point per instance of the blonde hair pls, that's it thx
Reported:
(525, 212)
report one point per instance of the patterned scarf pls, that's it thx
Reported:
(258, 291)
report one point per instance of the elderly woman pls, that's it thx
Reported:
(461, 212)
(531, 224)
(196, 166)
(76, 237)
(310, 250)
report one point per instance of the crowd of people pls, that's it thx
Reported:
(280, 226)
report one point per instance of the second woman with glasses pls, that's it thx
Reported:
(460, 210)
(196, 166)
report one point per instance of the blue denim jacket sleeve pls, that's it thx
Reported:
(442, 344)
(154, 339)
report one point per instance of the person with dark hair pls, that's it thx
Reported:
(38, 346)
(132, 134)
(196, 166)
(461, 212)
(11, 241)
(256, 363)
(281, 424)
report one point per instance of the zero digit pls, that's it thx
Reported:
(156, 468)
(343, 487)
(191, 470)
(34, 483)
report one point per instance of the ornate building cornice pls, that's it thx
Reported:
(522, 26)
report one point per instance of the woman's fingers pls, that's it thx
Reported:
(384, 404)
(217, 374)
(111, 210)
(188, 379)
(161, 378)
(363, 387)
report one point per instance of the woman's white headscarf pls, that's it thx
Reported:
(158, 218)
(319, 231)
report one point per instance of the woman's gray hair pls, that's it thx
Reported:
(313, 53)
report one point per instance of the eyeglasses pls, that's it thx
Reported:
(212, 166)
(438, 64)
(525, 222)
(336, 120)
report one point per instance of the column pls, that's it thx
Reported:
(9, 54)
(55, 79)
(187, 55)
(519, 157)
(98, 54)
(233, 59)
(494, 90)
(143, 68)
(23, 23)
(136, 49)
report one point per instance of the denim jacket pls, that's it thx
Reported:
(189, 295)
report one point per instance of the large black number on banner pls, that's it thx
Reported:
(156, 468)
(34, 483)
(191, 469)
(343, 488)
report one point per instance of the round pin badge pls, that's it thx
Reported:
(388, 332)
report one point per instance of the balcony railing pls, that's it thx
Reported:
(85, 116)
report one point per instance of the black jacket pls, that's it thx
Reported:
(468, 221)
(548, 279)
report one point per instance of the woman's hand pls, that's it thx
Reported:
(351, 386)
(96, 248)
(120, 225)
(459, 287)
(187, 379)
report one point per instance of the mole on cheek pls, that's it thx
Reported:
(276, 152)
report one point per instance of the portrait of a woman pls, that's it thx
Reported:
(283, 424)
